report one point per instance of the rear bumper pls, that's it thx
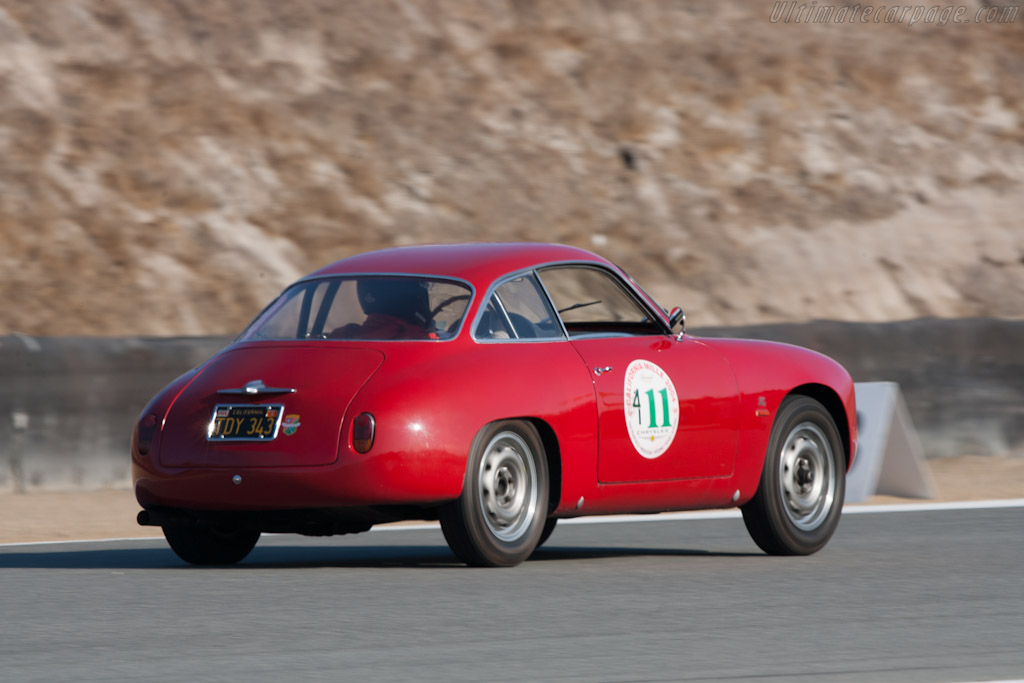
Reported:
(387, 479)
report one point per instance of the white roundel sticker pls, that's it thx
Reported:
(652, 408)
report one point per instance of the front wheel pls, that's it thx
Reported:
(800, 497)
(207, 545)
(498, 520)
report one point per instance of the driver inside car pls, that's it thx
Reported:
(395, 308)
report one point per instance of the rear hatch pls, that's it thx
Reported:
(267, 405)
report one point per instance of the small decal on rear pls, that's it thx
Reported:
(652, 408)
(290, 424)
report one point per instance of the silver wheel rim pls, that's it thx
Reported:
(807, 476)
(507, 486)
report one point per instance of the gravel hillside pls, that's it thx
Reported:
(168, 166)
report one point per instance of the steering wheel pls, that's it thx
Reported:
(448, 302)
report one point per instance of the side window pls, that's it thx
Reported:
(594, 302)
(518, 310)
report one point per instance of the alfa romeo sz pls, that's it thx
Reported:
(497, 388)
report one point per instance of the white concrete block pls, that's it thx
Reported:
(890, 460)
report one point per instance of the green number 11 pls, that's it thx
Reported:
(664, 406)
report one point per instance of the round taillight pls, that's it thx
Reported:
(146, 430)
(363, 428)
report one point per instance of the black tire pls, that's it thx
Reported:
(800, 497)
(545, 534)
(499, 518)
(207, 545)
(549, 527)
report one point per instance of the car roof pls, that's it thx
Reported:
(477, 263)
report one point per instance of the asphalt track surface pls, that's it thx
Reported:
(932, 595)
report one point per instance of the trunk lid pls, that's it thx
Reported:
(303, 426)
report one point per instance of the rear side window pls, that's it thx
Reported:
(374, 308)
(518, 309)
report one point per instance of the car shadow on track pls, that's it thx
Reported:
(285, 557)
(88, 558)
(553, 553)
(308, 557)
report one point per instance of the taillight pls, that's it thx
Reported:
(363, 428)
(146, 430)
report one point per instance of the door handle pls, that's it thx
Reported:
(599, 371)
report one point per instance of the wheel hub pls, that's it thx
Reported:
(507, 486)
(807, 478)
(804, 475)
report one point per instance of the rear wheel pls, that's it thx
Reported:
(207, 545)
(549, 527)
(800, 497)
(498, 520)
(545, 534)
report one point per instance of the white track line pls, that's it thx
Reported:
(732, 513)
(79, 541)
(928, 507)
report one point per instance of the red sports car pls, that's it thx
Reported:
(497, 388)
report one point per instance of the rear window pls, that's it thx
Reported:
(376, 308)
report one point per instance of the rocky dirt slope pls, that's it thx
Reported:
(166, 167)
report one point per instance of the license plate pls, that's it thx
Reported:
(244, 422)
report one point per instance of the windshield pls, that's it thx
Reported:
(371, 307)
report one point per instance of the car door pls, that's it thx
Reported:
(667, 407)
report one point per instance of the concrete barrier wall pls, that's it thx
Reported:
(68, 405)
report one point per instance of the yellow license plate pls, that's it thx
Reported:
(244, 422)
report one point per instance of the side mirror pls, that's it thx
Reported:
(677, 317)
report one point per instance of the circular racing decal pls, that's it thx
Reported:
(652, 408)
